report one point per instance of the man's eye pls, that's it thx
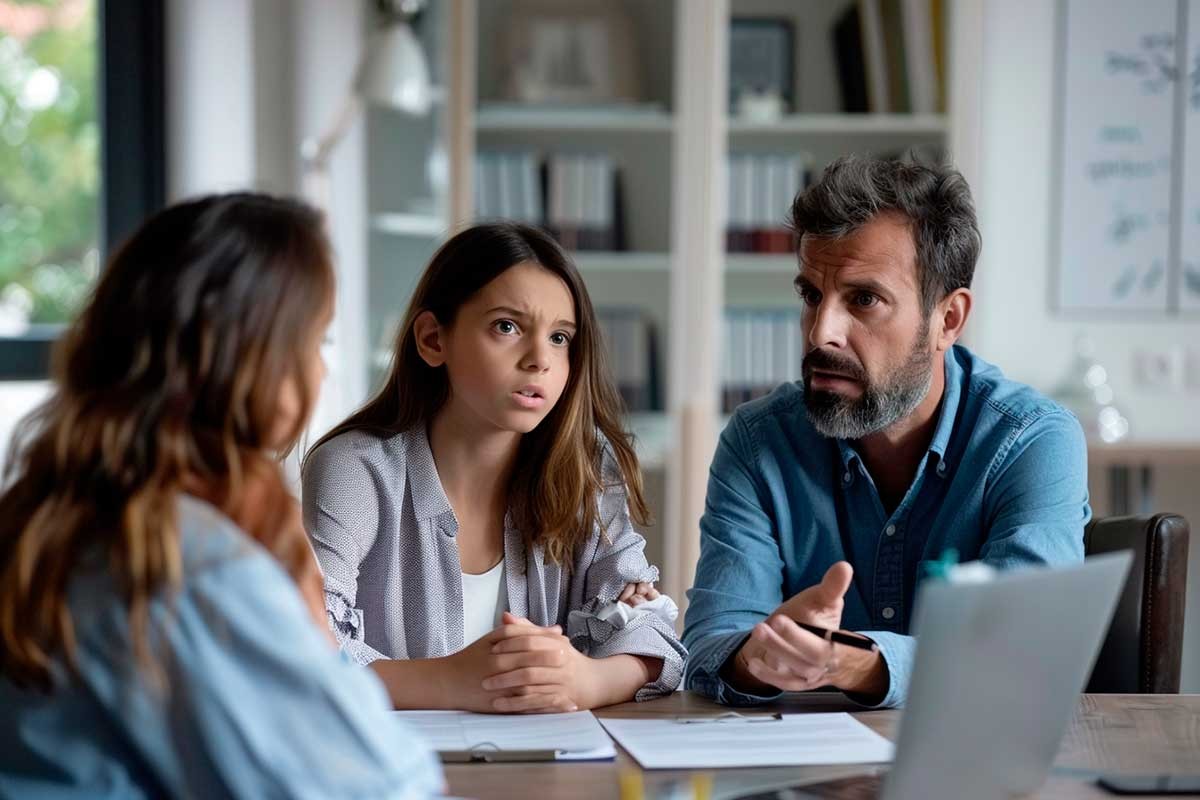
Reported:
(810, 296)
(865, 299)
(505, 326)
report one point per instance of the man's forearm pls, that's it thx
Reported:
(861, 672)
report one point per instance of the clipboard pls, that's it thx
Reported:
(481, 755)
(464, 737)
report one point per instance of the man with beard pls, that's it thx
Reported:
(824, 500)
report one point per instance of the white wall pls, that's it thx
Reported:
(1012, 325)
(209, 96)
(247, 82)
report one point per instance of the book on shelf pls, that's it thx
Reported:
(583, 201)
(889, 56)
(874, 59)
(762, 349)
(629, 343)
(851, 63)
(508, 186)
(762, 187)
(574, 196)
(923, 91)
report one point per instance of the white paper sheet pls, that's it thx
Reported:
(794, 740)
(576, 735)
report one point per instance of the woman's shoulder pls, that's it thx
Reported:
(218, 556)
(208, 539)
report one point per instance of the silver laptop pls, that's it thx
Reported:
(998, 672)
(999, 667)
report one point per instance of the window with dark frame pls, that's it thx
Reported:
(82, 152)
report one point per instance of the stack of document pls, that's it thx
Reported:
(463, 736)
(789, 740)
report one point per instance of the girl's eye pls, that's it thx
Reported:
(505, 326)
(560, 339)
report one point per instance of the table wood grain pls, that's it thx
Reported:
(1108, 733)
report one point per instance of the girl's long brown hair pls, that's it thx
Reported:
(558, 475)
(168, 382)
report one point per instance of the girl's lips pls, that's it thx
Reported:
(531, 403)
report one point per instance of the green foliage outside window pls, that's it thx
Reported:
(49, 160)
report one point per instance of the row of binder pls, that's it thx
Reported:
(761, 348)
(576, 196)
(762, 187)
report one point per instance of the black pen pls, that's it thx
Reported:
(839, 637)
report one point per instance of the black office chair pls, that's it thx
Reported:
(1144, 645)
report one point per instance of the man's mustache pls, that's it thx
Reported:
(826, 361)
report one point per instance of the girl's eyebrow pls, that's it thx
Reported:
(512, 312)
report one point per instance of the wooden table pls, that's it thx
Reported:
(1109, 733)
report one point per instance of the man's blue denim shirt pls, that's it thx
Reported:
(1004, 480)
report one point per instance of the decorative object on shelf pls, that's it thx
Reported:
(766, 106)
(570, 51)
(1086, 393)
(762, 63)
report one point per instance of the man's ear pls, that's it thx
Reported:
(431, 339)
(951, 317)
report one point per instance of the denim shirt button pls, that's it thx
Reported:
(890, 530)
(846, 477)
(889, 612)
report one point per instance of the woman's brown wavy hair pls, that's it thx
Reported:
(558, 475)
(168, 382)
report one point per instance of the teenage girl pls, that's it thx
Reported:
(161, 615)
(473, 520)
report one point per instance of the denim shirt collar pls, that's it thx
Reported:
(947, 411)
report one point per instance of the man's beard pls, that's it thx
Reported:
(879, 406)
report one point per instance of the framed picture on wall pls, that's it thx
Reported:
(762, 60)
(570, 52)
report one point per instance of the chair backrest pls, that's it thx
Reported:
(1144, 646)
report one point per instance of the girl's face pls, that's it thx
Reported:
(507, 354)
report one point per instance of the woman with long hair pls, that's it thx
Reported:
(161, 616)
(473, 520)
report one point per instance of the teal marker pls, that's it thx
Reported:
(940, 569)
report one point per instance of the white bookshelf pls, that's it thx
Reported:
(592, 262)
(846, 125)
(759, 263)
(670, 150)
(607, 120)
(404, 224)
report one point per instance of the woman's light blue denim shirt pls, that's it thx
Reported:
(256, 702)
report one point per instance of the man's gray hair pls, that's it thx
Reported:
(935, 199)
